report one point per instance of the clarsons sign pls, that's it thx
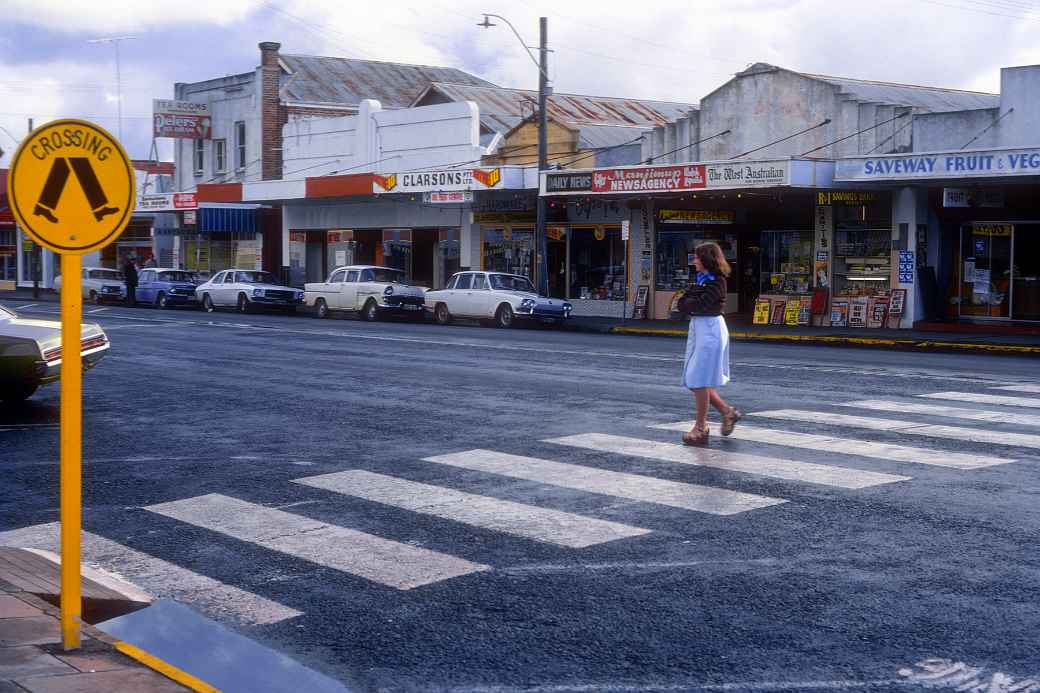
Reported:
(435, 181)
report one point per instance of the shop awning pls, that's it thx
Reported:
(228, 218)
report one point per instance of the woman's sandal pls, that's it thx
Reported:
(696, 437)
(730, 419)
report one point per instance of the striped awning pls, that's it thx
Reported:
(236, 219)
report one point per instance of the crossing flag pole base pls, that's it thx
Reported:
(71, 452)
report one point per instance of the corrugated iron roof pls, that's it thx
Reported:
(345, 81)
(601, 136)
(511, 106)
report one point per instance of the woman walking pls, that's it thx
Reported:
(706, 365)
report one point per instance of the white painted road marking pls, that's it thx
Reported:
(774, 468)
(380, 560)
(1020, 388)
(971, 435)
(853, 446)
(540, 524)
(647, 489)
(159, 577)
(949, 412)
(1031, 402)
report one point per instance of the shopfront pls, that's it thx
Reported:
(8, 252)
(223, 237)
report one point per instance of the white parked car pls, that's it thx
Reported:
(372, 291)
(99, 284)
(246, 289)
(494, 296)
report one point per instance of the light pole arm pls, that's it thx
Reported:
(522, 43)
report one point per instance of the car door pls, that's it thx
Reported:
(332, 288)
(365, 288)
(478, 298)
(458, 300)
(348, 291)
(210, 287)
(85, 284)
(146, 286)
(225, 289)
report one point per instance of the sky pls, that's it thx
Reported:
(654, 49)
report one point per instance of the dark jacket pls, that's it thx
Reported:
(129, 273)
(705, 299)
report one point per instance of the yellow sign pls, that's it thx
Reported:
(695, 216)
(71, 187)
(761, 312)
(999, 230)
(847, 197)
(791, 311)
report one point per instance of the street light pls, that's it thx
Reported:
(544, 90)
(114, 40)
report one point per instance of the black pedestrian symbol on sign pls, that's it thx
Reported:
(55, 186)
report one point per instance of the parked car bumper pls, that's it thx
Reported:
(50, 371)
(274, 301)
(405, 305)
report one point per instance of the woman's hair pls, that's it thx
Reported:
(710, 255)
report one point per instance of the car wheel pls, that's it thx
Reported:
(160, 301)
(94, 297)
(504, 316)
(207, 303)
(19, 393)
(322, 308)
(371, 311)
(243, 303)
(441, 314)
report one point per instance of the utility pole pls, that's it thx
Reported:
(541, 244)
(37, 259)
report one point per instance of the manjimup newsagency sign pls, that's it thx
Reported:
(975, 164)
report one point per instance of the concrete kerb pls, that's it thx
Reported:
(927, 345)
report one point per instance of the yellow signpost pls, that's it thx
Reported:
(71, 188)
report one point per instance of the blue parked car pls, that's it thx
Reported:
(163, 288)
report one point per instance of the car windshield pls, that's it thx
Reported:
(255, 277)
(509, 282)
(107, 274)
(6, 314)
(388, 276)
(177, 277)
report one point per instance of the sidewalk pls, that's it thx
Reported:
(31, 655)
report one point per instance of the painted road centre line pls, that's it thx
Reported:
(159, 577)
(970, 435)
(774, 468)
(1020, 388)
(1031, 402)
(989, 415)
(386, 562)
(648, 489)
(540, 524)
(853, 446)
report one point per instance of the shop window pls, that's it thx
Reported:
(862, 248)
(509, 250)
(597, 264)
(787, 262)
(8, 256)
(675, 254)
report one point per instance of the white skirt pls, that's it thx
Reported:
(707, 353)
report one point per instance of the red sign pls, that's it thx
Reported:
(184, 201)
(183, 119)
(658, 178)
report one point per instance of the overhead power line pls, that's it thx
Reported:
(989, 127)
(782, 139)
(687, 146)
(858, 132)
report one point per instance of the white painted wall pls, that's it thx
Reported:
(377, 140)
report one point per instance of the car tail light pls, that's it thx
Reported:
(94, 342)
(52, 354)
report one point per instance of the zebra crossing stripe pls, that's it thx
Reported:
(1034, 388)
(648, 489)
(540, 524)
(775, 468)
(383, 561)
(853, 446)
(158, 577)
(949, 412)
(977, 398)
(971, 435)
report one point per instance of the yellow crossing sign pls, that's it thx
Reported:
(71, 187)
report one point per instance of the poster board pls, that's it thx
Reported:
(877, 316)
(791, 312)
(896, 306)
(639, 309)
(858, 312)
(777, 315)
(840, 313)
(804, 313)
(761, 311)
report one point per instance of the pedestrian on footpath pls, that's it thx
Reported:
(706, 365)
(130, 279)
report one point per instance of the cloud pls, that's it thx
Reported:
(108, 16)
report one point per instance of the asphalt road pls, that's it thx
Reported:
(787, 569)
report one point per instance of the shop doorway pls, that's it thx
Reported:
(424, 252)
(986, 270)
(1025, 284)
(315, 259)
(369, 248)
(556, 265)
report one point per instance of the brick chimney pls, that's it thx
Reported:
(272, 112)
